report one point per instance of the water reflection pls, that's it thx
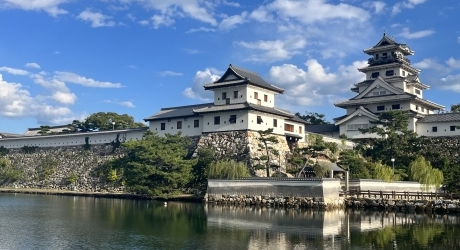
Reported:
(58, 222)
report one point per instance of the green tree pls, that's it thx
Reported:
(101, 121)
(322, 169)
(455, 108)
(313, 118)
(422, 172)
(44, 130)
(356, 165)
(266, 142)
(382, 172)
(395, 139)
(227, 170)
(201, 168)
(157, 165)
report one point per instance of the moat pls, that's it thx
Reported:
(64, 222)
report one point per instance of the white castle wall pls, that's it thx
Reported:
(443, 129)
(73, 139)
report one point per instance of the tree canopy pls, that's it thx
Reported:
(313, 118)
(455, 108)
(105, 121)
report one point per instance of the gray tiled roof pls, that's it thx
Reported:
(245, 77)
(376, 99)
(292, 135)
(446, 117)
(242, 106)
(321, 128)
(182, 111)
(297, 119)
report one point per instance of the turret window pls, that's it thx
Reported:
(381, 108)
(259, 120)
(216, 120)
(235, 94)
(389, 72)
(232, 119)
(224, 95)
(375, 74)
(417, 91)
(395, 106)
(452, 128)
(256, 95)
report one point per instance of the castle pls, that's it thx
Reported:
(393, 84)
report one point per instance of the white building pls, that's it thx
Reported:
(393, 84)
(242, 101)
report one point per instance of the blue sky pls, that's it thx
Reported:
(62, 60)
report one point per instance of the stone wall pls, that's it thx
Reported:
(51, 167)
(243, 146)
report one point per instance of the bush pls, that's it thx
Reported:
(227, 170)
(72, 178)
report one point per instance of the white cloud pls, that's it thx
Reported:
(316, 84)
(171, 9)
(144, 22)
(409, 4)
(49, 6)
(64, 97)
(455, 64)
(418, 34)
(32, 65)
(233, 4)
(429, 63)
(15, 101)
(191, 51)
(377, 6)
(170, 73)
(127, 104)
(50, 83)
(197, 90)
(81, 80)
(275, 50)
(451, 82)
(309, 11)
(458, 39)
(231, 22)
(204, 29)
(159, 20)
(14, 71)
(97, 19)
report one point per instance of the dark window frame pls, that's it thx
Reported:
(235, 94)
(163, 126)
(196, 123)
(375, 74)
(259, 119)
(381, 108)
(275, 123)
(179, 124)
(232, 119)
(453, 128)
(216, 120)
(224, 95)
(390, 72)
(395, 106)
(434, 129)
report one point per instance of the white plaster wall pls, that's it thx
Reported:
(72, 139)
(378, 185)
(261, 92)
(412, 125)
(242, 92)
(171, 126)
(413, 107)
(267, 122)
(382, 73)
(426, 129)
(356, 134)
(225, 125)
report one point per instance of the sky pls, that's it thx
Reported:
(63, 60)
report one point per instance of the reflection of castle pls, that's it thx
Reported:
(268, 228)
(393, 84)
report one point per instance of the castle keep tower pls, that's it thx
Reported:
(391, 84)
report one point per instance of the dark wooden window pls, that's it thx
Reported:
(275, 123)
(300, 129)
(232, 119)
(256, 95)
(395, 106)
(434, 129)
(163, 126)
(375, 74)
(216, 120)
(179, 124)
(196, 123)
(288, 127)
(265, 98)
(235, 94)
(259, 120)
(381, 108)
(417, 91)
(452, 128)
(224, 95)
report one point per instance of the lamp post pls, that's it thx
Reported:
(113, 125)
(393, 161)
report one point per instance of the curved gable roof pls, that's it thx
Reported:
(238, 76)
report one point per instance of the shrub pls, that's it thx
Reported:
(227, 170)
